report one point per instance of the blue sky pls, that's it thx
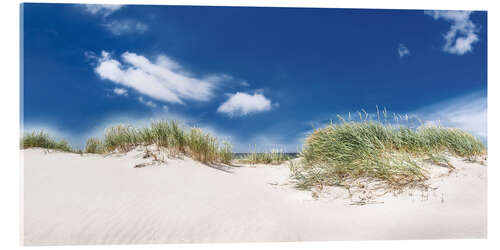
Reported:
(261, 76)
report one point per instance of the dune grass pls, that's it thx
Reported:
(121, 138)
(43, 140)
(205, 147)
(273, 157)
(338, 154)
(334, 155)
(171, 135)
(94, 146)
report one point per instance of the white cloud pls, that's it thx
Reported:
(147, 103)
(162, 80)
(241, 104)
(121, 27)
(90, 56)
(468, 113)
(403, 51)
(102, 9)
(116, 27)
(120, 91)
(462, 33)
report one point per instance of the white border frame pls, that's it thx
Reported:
(10, 93)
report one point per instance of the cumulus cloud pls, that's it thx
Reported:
(120, 91)
(241, 104)
(403, 51)
(162, 79)
(102, 9)
(121, 27)
(462, 33)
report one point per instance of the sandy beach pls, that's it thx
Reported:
(94, 199)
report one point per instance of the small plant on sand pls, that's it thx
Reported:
(340, 154)
(43, 140)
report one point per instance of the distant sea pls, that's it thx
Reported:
(242, 155)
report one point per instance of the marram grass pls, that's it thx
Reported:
(94, 146)
(43, 140)
(335, 155)
(341, 153)
(171, 135)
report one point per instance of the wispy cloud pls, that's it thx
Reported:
(117, 27)
(120, 91)
(122, 27)
(164, 79)
(403, 51)
(102, 9)
(147, 103)
(241, 104)
(462, 33)
(467, 112)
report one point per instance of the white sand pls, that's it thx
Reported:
(70, 199)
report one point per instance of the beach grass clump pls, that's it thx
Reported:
(226, 152)
(171, 135)
(121, 138)
(205, 148)
(94, 146)
(341, 153)
(455, 141)
(166, 134)
(273, 157)
(44, 140)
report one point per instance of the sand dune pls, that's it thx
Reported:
(92, 199)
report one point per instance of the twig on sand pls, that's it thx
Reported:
(365, 202)
(140, 165)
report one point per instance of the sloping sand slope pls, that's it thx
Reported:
(73, 199)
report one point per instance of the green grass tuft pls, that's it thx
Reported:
(171, 135)
(94, 146)
(121, 138)
(341, 153)
(43, 140)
